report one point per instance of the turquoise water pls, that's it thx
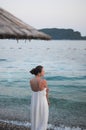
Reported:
(65, 66)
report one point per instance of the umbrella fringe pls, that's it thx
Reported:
(13, 28)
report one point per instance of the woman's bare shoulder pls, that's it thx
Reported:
(43, 83)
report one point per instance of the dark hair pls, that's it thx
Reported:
(36, 70)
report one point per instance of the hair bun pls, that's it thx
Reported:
(36, 70)
(32, 71)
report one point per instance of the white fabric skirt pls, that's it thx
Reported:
(39, 110)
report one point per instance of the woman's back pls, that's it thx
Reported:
(37, 84)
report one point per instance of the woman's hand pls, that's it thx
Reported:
(48, 103)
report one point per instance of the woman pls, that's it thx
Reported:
(39, 100)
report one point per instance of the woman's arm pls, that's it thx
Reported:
(42, 85)
(47, 91)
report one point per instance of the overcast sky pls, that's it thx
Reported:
(49, 13)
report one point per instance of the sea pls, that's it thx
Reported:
(64, 62)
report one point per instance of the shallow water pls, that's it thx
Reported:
(65, 66)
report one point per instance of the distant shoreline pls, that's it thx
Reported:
(63, 34)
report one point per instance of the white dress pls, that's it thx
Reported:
(39, 110)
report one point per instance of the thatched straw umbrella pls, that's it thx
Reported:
(13, 28)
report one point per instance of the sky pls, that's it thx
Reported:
(49, 13)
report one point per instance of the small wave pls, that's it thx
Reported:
(13, 80)
(66, 78)
(10, 67)
(49, 126)
(23, 123)
(3, 60)
(4, 80)
(72, 86)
